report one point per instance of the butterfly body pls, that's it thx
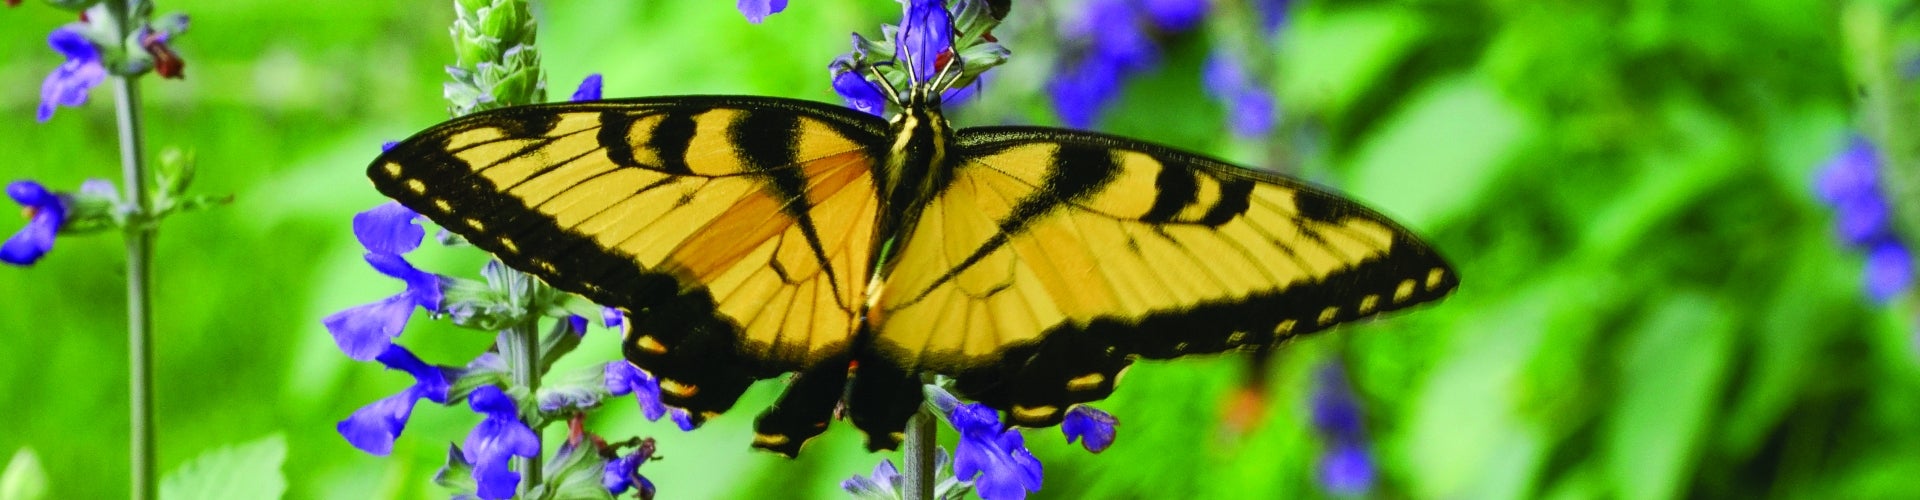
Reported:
(749, 237)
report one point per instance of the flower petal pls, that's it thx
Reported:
(1347, 470)
(1175, 15)
(1889, 271)
(589, 89)
(423, 288)
(926, 34)
(432, 381)
(363, 332)
(1089, 423)
(611, 317)
(388, 229)
(36, 238)
(373, 427)
(758, 10)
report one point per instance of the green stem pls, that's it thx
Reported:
(126, 103)
(521, 348)
(921, 433)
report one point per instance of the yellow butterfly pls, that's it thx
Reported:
(749, 237)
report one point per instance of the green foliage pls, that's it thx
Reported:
(1653, 305)
(241, 472)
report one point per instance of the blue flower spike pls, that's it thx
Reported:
(499, 437)
(1093, 427)
(1346, 467)
(46, 213)
(387, 232)
(69, 83)
(1250, 108)
(758, 10)
(1851, 184)
(373, 428)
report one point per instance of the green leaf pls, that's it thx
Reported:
(1671, 376)
(1435, 158)
(245, 472)
(24, 478)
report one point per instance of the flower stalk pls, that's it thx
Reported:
(520, 345)
(923, 432)
(139, 241)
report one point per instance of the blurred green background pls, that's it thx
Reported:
(1653, 303)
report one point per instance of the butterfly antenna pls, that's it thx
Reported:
(893, 95)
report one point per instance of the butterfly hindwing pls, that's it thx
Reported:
(736, 231)
(1054, 258)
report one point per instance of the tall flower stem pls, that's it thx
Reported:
(521, 349)
(922, 431)
(126, 104)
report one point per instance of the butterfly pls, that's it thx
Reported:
(751, 237)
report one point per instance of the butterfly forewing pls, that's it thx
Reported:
(1055, 257)
(737, 231)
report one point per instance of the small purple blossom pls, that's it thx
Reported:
(499, 437)
(373, 428)
(46, 213)
(1273, 14)
(611, 317)
(1096, 427)
(1346, 467)
(884, 483)
(1250, 108)
(589, 89)
(1851, 184)
(1347, 470)
(387, 232)
(622, 378)
(1175, 15)
(68, 84)
(996, 454)
(860, 93)
(758, 10)
(1889, 270)
(577, 324)
(623, 473)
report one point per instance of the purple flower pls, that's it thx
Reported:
(1889, 270)
(1095, 426)
(758, 10)
(1083, 90)
(622, 377)
(1175, 15)
(1345, 468)
(623, 473)
(69, 83)
(373, 428)
(577, 324)
(1250, 108)
(999, 457)
(1273, 14)
(885, 482)
(499, 437)
(925, 38)
(589, 89)
(860, 93)
(45, 211)
(1851, 184)
(611, 317)
(387, 231)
